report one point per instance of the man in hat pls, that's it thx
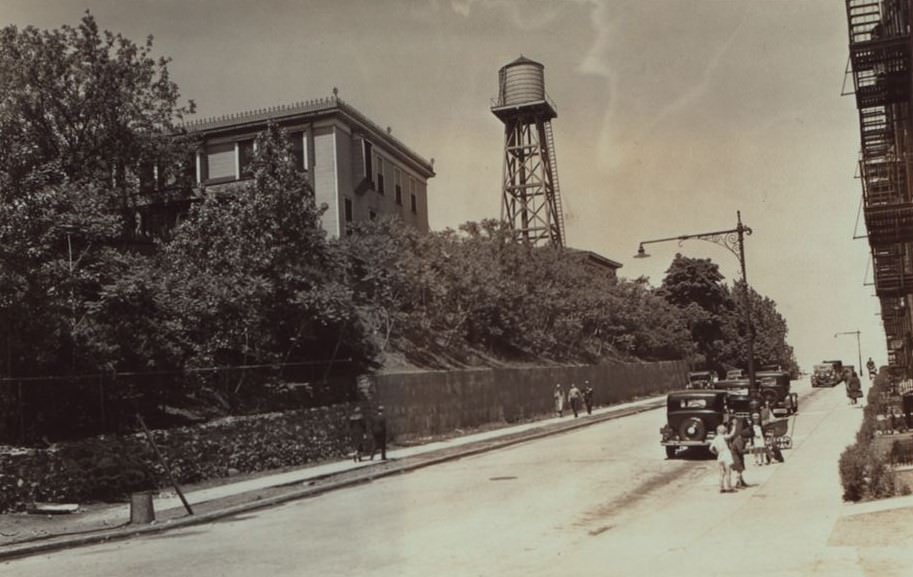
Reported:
(588, 397)
(357, 431)
(573, 395)
(379, 434)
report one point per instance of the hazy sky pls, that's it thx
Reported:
(672, 115)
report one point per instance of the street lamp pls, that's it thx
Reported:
(732, 240)
(858, 347)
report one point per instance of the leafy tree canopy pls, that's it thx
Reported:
(87, 102)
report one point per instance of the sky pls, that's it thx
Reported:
(672, 116)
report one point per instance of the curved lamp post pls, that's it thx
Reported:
(858, 347)
(732, 240)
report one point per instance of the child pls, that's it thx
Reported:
(719, 446)
(758, 443)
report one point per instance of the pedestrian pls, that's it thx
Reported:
(588, 397)
(559, 400)
(357, 430)
(872, 370)
(758, 442)
(379, 434)
(853, 387)
(719, 446)
(573, 396)
(739, 438)
(767, 415)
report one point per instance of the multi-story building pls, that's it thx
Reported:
(359, 170)
(880, 48)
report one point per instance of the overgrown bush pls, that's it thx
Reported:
(866, 473)
(853, 472)
(110, 467)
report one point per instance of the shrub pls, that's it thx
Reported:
(101, 468)
(852, 472)
(109, 468)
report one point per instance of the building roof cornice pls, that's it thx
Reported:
(317, 107)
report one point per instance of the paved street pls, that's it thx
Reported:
(602, 499)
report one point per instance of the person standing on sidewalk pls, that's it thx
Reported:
(573, 395)
(739, 439)
(758, 442)
(719, 446)
(588, 397)
(559, 400)
(379, 434)
(357, 431)
(873, 372)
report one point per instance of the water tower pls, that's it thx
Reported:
(530, 200)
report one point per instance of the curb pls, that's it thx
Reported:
(443, 455)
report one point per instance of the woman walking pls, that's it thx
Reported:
(559, 400)
(853, 387)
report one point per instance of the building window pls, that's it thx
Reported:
(348, 209)
(299, 149)
(398, 185)
(220, 162)
(372, 215)
(414, 204)
(369, 159)
(380, 174)
(245, 157)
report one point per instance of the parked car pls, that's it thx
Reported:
(700, 380)
(733, 374)
(774, 387)
(692, 417)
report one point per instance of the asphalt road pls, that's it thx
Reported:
(601, 500)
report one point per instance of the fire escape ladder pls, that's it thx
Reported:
(553, 166)
(893, 270)
(879, 51)
(879, 42)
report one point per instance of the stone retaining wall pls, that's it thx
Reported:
(431, 403)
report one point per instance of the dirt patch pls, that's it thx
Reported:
(892, 528)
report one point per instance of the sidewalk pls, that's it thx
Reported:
(22, 534)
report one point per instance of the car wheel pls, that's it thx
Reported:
(693, 429)
(670, 451)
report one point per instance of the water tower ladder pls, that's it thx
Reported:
(553, 163)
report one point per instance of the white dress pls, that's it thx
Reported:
(757, 442)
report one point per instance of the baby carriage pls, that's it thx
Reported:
(777, 434)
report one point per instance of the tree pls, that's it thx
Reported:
(81, 113)
(696, 287)
(770, 332)
(91, 104)
(388, 269)
(250, 276)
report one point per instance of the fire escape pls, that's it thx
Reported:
(879, 42)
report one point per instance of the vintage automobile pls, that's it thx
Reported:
(733, 374)
(692, 417)
(827, 374)
(700, 380)
(774, 387)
